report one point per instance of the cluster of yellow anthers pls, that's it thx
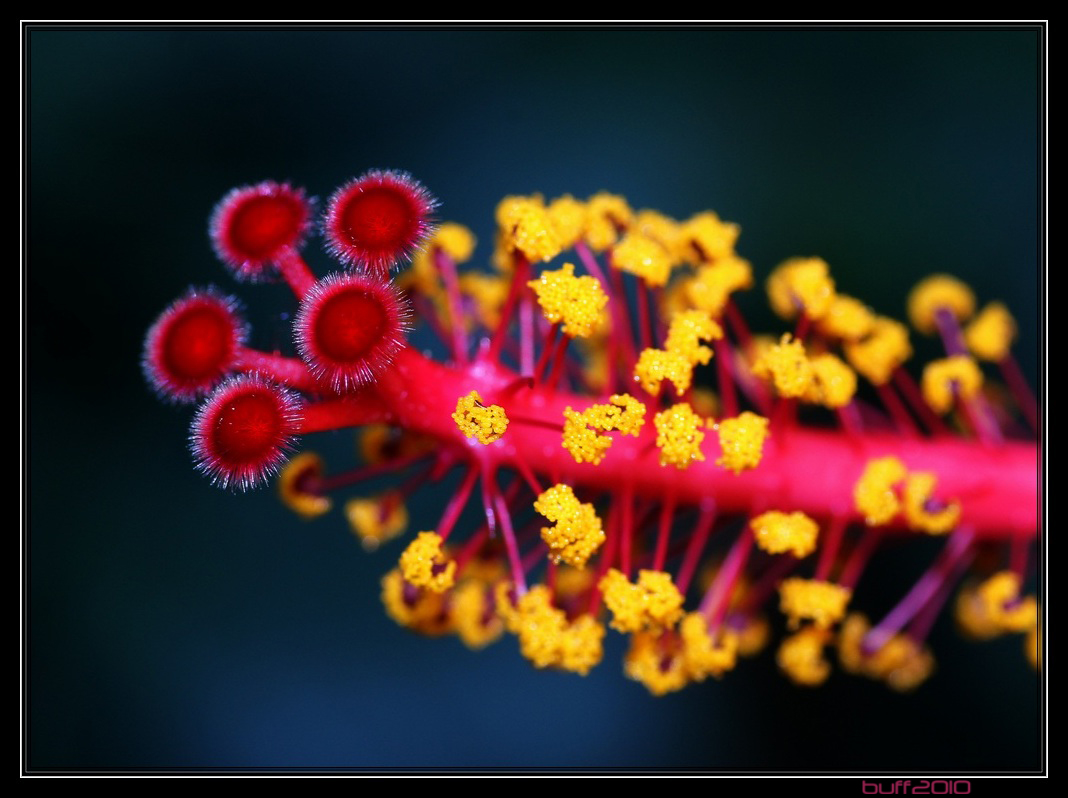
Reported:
(558, 623)
(577, 533)
(476, 420)
(582, 431)
(886, 488)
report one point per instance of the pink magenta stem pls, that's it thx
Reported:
(1020, 390)
(714, 604)
(912, 394)
(902, 420)
(283, 370)
(726, 378)
(829, 549)
(957, 547)
(457, 503)
(295, 271)
(667, 515)
(447, 267)
(806, 469)
(696, 544)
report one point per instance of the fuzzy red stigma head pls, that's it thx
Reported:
(349, 327)
(377, 221)
(254, 226)
(194, 344)
(242, 433)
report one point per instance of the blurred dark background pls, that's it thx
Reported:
(172, 625)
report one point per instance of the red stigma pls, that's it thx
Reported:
(378, 220)
(253, 226)
(349, 327)
(241, 434)
(193, 345)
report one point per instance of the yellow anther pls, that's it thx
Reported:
(580, 646)
(973, 617)
(800, 657)
(705, 238)
(1000, 597)
(424, 564)
(455, 240)
(679, 435)
(834, 383)
(577, 532)
(586, 445)
(547, 639)
(991, 333)
(687, 330)
(753, 635)
(568, 216)
(1031, 646)
(901, 662)
(488, 293)
(655, 660)
(801, 284)
(847, 318)
(711, 288)
(788, 367)
(741, 439)
(653, 602)
(949, 378)
(527, 228)
(643, 257)
(923, 511)
(823, 603)
(293, 486)
(578, 302)
(662, 229)
(703, 655)
(939, 292)
(884, 349)
(423, 611)
(476, 420)
(606, 215)
(777, 533)
(656, 365)
(581, 438)
(376, 520)
(705, 402)
(472, 618)
(874, 495)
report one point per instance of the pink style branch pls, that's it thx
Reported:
(642, 459)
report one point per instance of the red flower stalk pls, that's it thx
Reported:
(614, 427)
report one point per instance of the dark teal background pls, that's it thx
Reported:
(172, 625)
